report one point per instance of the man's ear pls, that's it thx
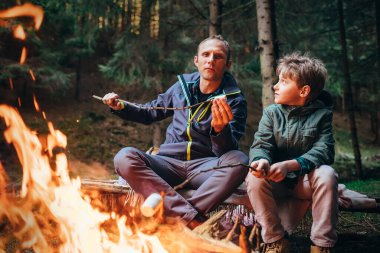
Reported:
(196, 60)
(305, 91)
(228, 64)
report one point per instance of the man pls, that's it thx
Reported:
(203, 134)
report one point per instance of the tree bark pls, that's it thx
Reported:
(276, 46)
(129, 16)
(375, 117)
(348, 91)
(267, 60)
(145, 18)
(215, 25)
(78, 70)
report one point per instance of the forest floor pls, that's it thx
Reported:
(95, 136)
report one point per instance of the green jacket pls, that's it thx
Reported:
(303, 132)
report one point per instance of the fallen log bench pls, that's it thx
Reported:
(119, 189)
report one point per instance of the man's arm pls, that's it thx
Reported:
(228, 124)
(141, 115)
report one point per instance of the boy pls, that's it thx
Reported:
(291, 152)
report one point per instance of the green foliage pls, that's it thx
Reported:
(371, 187)
(13, 71)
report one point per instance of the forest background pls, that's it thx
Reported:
(137, 47)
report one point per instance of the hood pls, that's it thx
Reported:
(323, 101)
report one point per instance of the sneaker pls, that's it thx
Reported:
(317, 249)
(280, 246)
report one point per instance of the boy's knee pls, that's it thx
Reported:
(327, 176)
(255, 184)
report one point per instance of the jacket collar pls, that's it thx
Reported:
(227, 86)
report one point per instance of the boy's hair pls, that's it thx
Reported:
(220, 38)
(304, 70)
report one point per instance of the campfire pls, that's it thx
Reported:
(50, 212)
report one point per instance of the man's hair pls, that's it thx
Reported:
(304, 70)
(220, 38)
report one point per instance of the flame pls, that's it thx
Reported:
(23, 55)
(36, 105)
(19, 32)
(32, 75)
(11, 83)
(59, 197)
(26, 9)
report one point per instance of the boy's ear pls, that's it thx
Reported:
(305, 91)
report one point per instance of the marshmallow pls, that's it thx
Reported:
(151, 205)
(220, 97)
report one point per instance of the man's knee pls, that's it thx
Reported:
(234, 157)
(125, 157)
(237, 172)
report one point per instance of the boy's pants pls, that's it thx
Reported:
(147, 174)
(279, 208)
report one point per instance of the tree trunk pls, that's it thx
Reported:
(376, 100)
(78, 78)
(129, 16)
(215, 25)
(267, 61)
(276, 47)
(374, 115)
(145, 18)
(348, 91)
(157, 136)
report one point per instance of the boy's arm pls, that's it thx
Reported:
(322, 151)
(264, 143)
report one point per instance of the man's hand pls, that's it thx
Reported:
(221, 114)
(111, 99)
(261, 167)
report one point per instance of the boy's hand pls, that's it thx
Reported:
(277, 172)
(221, 114)
(261, 167)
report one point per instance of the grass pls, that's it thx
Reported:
(345, 160)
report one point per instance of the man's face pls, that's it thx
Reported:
(211, 60)
(287, 92)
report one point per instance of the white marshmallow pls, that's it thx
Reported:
(151, 205)
(220, 97)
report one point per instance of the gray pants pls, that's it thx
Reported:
(147, 174)
(279, 209)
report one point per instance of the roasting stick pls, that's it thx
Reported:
(158, 107)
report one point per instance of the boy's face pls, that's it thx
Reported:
(287, 92)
